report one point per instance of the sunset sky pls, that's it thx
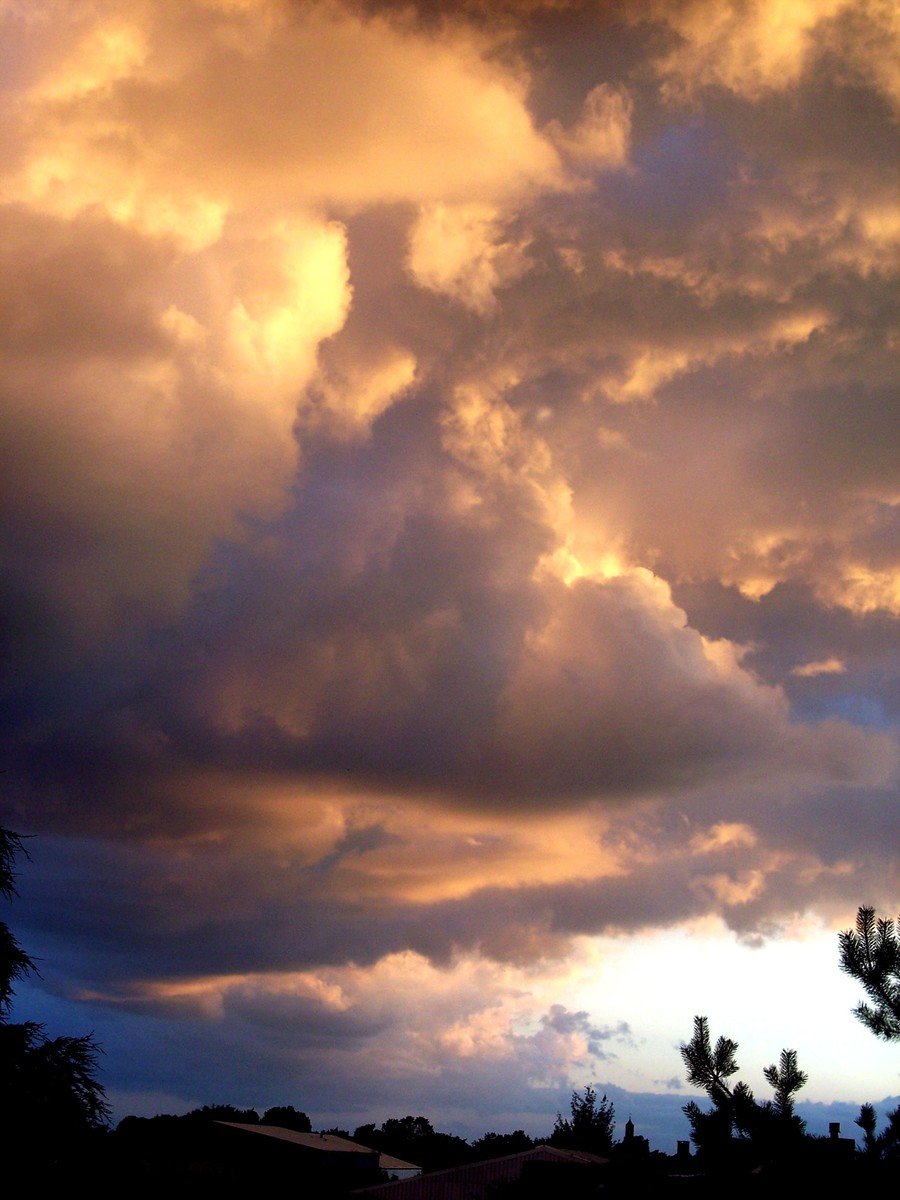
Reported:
(450, 584)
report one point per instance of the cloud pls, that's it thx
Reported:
(566, 1023)
(602, 135)
(449, 495)
(173, 255)
(119, 110)
(459, 252)
(827, 666)
(479, 1020)
(767, 46)
(138, 428)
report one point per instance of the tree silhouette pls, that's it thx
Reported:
(871, 955)
(48, 1086)
(287, 1117)
(590, 1127)
(706, 1067)
(738, 1125)
(415, 1140)
(50, 1080)
(886, 1144)
(786, 1079)
(14, 962)
(498, 1145)
(223, 1112)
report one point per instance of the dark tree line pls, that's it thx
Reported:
(414, 1139)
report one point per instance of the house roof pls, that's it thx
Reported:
(330, 1142)
(478, 1178)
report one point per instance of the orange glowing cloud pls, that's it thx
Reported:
(766, 45)
(194, 146)
(179, 116)
(459, 251)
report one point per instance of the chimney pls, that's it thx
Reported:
(834, 1130)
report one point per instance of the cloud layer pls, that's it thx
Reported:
(450, 495)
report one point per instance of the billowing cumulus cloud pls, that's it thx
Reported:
(167, 248)
(139, 428)
(450, 523)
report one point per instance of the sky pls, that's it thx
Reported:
(450, 575)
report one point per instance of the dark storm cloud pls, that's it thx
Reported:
(788, 631)
(391, 643)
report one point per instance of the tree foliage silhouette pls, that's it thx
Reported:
(707, 1067)
(287, 1117)
(415, 1140)
(14, 962)
(590, 1127)
(871, 955)
(786, 1078)
(499, 1145)
(738, 1122)
(886, 1144)
(223, 1112)
(48, 1086)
